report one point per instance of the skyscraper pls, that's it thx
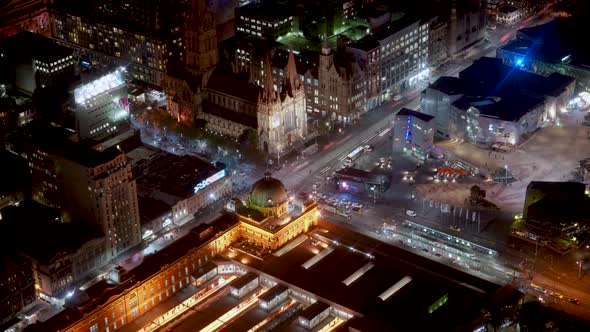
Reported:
(87, 184)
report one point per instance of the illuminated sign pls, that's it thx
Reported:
(210, 180)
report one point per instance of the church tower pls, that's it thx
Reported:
(282, 117)
(268, 112)
(200, 38)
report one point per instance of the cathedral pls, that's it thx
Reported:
(282, 119)
(275, 112)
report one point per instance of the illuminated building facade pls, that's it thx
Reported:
(180, 185)
(400, 53)
(95, 186)
(413, 133)
(277, 113)
(269, 220)
(30, 61)
(549, 48)
(109, 199)
(144, 36)
(493, 103)
(508, 15)
(264, 21)
(342, 89)
(102, 106)
(281, 114)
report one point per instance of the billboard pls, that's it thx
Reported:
(210, 180)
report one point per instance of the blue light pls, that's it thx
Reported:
(519, 62)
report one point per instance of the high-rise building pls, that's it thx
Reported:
(86, 184)
(17, 287)
(413, 133)
(342, 86)
(101, 106)
(144, 36)
(400, 53)
(200, 38)
(30, 61)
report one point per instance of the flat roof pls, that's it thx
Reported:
(313, 310)
(172, 175)
(272, 293)
(405, 310)
(50, 236)
(422, 116)
(244, 280)
(101, 293)
(30, 45)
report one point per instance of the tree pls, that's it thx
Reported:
(249, 137)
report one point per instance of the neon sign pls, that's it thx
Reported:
(210, 180)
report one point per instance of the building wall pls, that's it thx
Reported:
(438, 104)
(508, 18)
(100, 116)
(282, 123)
(475, 128)
(17, 286)
(143, 295)
(438, 45)
(55, 278)
(274, 240)
(108, 44)
(412, 135)
(404, 55)
(465, 29)
(105, 195)
(336, 90)
(215, 191)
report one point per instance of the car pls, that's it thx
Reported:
(574, 301)
(369, 148)
(410, 213)
(455, 228)
(397, 97)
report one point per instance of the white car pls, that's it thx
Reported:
(410, 213)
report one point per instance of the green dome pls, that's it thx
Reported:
(268, 192)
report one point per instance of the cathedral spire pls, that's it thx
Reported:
(268, 92)
(291, 77)
(326, 50)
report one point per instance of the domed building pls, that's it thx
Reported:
(269, 196)
(270, 218)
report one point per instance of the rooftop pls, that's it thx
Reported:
(555, 42)
(27, 45)
(507, 108)
(86, 301)
(56, 141)
(404, 310)
(373, 40)
(50, 236)
(501, 91)
(232, 85)
(422, 116)
(171, 174)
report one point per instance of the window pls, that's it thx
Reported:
(94, 328)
